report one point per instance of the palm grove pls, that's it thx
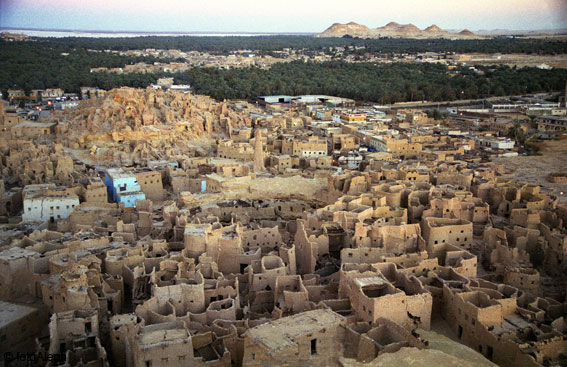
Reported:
(66, 64)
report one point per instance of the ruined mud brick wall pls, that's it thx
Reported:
(373, 297)
(523, 278)
(438, 231)
(143, 125)
(94, 192)
(151, 185)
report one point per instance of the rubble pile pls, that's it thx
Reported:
(132, 125)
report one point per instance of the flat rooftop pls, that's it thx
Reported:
(281, 334)
(35, 124)
(11, 312)
(194, 229)
(14, 253)
(153, 337)
(119, 173)
(362, 282)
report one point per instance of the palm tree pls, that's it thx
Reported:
(517, 133)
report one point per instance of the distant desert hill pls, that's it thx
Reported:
(392, 30)
(466, 32)
(392, 25)
(434, 29)
(409, 28)
(351, 29)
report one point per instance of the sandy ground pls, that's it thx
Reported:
(535, 169)
(521, 60)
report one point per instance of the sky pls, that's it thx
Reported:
(278, 16)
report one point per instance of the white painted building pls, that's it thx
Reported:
(377, 142)
(47, 203)
(314, 153)
(455, 133)
(352, 160)
(496, 143)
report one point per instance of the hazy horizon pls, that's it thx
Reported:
(222, 16)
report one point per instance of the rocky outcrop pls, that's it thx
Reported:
(134, 125)
(392, 30)
(408, 29)
(466, 32)
(434, 29)
(392, 26)
(340, 30)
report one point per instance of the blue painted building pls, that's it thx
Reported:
(123, 187)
